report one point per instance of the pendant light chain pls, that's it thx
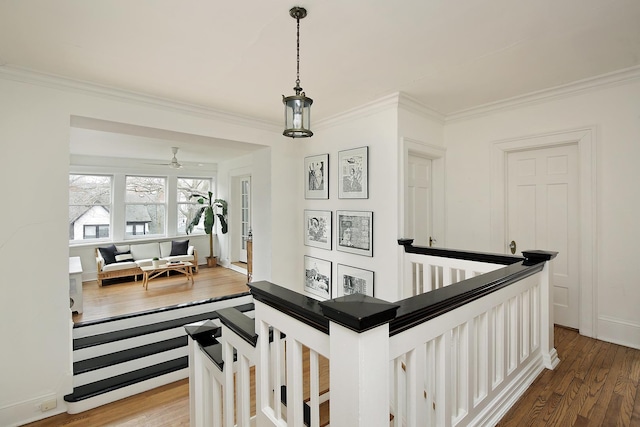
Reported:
(297, 117)
(298, 55)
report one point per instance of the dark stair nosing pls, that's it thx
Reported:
(214, 300)
(114, 383)
(107, 337)
(239, 323)
(118, 357)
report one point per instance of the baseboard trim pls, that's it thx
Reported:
(28, 411)
(619, 331)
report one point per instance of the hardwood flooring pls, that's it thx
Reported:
(595, 384)
(130, 297)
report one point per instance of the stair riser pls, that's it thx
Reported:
(121, 393)
(132, 365)
(112, 347)
(132, 322)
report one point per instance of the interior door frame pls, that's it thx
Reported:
(438, 222)
(584, 138)
(234, 228)
(437, 155)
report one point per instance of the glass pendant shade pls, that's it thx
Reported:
(297, 115)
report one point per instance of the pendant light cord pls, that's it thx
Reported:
(298, 55)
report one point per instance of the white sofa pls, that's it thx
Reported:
(129, 258)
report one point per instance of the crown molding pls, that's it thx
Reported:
(411, 104)
(365, 110)
(611, 79)
(25, 75)
(394, 100)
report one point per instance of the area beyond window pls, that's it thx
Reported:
(89, 207)
(187, 205)
(124, 206)
(145, 206)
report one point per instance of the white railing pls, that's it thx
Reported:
(425, 273)
(460, 356)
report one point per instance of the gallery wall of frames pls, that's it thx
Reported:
(351, 230)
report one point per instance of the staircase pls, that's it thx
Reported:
(121, 356)
(207, 336)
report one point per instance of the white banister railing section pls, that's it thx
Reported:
(456, 355)
(425, 269)
(469, 365)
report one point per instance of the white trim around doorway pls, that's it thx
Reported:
(584, 138)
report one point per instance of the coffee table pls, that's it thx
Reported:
(151, 272)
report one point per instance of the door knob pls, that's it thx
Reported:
(431, 241)
(512, 246)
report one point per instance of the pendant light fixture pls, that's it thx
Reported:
(297, 107)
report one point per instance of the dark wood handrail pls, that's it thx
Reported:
(452, 253)
(359, 313)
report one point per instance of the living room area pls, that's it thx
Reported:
(134, 193)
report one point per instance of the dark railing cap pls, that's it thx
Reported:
(359, 312)
(535, 255)
(203, 332)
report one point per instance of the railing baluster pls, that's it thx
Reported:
(228, 401)
(294, 383)
(314, 388)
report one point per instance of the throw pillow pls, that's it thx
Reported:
(124, 256)
(108, 254)
(179, 247)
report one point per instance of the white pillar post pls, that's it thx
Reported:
(549, 353)
(359, 360)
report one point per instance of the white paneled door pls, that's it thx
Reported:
(542, 213)
(419, 200)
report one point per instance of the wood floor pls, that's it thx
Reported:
(130, 297)
(595, 384)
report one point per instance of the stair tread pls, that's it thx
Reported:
(123, 380)
(107, 337)
(118, 357)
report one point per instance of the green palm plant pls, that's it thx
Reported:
(209, 208)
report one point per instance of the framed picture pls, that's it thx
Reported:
(317, 277)
(355, 232)
(353, 173)
(317, 229)
(352, 280)
(317, 177)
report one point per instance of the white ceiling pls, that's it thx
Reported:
(240, 57)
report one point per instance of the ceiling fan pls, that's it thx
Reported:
(174, 164)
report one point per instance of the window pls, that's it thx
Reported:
(187, 206)
(99, 231)
(89, 207)
(145, 206)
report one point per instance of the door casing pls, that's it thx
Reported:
(585, 140)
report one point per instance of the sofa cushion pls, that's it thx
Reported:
(108, 254)
(124, 256)
(179, 258)
(119, 266)
(179, 247)
(145, 251)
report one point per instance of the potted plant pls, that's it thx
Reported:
(155, 262)
(210, 209)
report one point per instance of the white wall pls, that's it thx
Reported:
(614, 111)
(374, 126)
(35, 116)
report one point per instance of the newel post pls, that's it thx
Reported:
(359, 360)
(549, 353)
